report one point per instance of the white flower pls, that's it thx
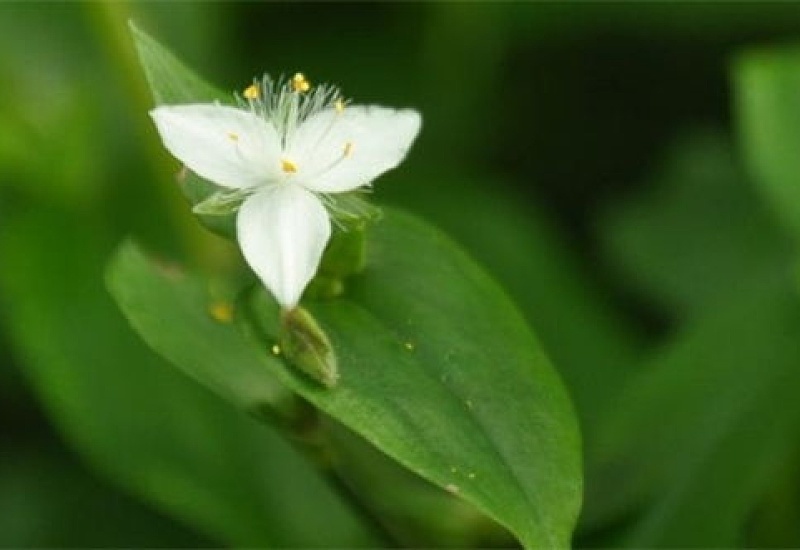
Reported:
(283, 147)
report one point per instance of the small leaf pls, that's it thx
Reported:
(437, 369)
(767, 88)
(170, 80)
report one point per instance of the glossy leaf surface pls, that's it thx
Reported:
(437, 368)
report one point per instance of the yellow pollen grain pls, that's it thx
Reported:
(339, 105)
(288, 166)
(252, 92)
(222, 312)
(276, 349)
(299, 83)
(348, 149)
(233, 136)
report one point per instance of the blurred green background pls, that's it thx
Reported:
(625, 171)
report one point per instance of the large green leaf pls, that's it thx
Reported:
(767, 88)
(134, 418)
(698, 233)
(438, 370)
(699, 435)
(593, 346)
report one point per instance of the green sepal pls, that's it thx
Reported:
(221, 203)
(349, 210)
(215, 207)
(346, 253)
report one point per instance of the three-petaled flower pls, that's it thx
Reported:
(284, 147)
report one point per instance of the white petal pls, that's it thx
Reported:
(338, 152)
(229, 146)
(282, 231)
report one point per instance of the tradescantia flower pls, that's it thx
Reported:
(287, 149)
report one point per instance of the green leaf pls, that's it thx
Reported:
(170, 80)
(158, 434)
(593, 345)
(437, 369)
(699, 436)
(415, 512)
(767, 88)
(698, 233)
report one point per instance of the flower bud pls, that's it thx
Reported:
(304, 344)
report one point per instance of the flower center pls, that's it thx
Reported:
(286, 104)
(288, 166)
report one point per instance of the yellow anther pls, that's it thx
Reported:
(288, 166)
(348, 149)
(221, 312)
(299, 83)
(233, 136)
(339, 105)
(252, 92)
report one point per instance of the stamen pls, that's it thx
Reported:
(300, 84)
(339, 105)
(233, 136)
(252, 92)
(346, 152)
(288, 166)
